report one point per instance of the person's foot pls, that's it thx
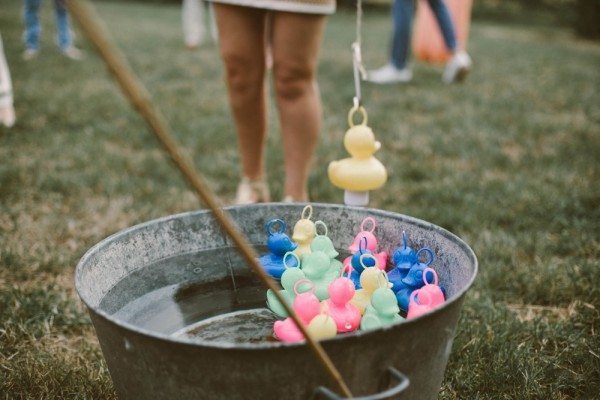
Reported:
(389, 74)
(252, 191)
(72, 52)
(292, 199)
(7, 116)
(30, 54)
(457, 68)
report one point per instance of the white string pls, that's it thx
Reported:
(359, 13)
(358, 67)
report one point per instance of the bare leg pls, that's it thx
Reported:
(241, 39)
(296, 39)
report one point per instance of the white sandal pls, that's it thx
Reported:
(252, 191)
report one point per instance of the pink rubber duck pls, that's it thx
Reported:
(422, 307)
(306, 306)
(346, 316)
(371, 244)
(432, 289)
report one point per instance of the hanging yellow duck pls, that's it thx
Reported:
(361, 172)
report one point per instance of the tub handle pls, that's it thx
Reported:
(392, 375)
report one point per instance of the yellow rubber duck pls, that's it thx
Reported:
(304, 232)
(322, 327)
(361, 172)
(371, 279)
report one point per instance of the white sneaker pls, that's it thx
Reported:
(457, 68)
(252, 191)
(73, 53)
(7, 116)
(389, 74)
(30, 54)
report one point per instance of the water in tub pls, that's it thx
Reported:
(179, 297)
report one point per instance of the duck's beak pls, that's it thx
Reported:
(377, 146)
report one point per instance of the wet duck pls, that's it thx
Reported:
(345, 315)
(322, 326)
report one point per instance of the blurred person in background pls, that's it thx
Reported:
(292, 30)
(7, 111)
(397, 69)
(193, 23)
(64, 36)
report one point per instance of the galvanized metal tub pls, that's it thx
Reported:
(188, 260)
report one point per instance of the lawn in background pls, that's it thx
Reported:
(507, 161)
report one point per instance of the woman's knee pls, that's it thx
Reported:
(244, 74)
(292, 80)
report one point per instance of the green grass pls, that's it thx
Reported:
(508, 161)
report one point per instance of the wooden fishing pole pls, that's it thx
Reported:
(140, 98)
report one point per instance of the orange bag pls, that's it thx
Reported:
(428, 42)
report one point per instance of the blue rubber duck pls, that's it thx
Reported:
(358, 266)
(403, 258)
(278, 244)
(413, 279)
